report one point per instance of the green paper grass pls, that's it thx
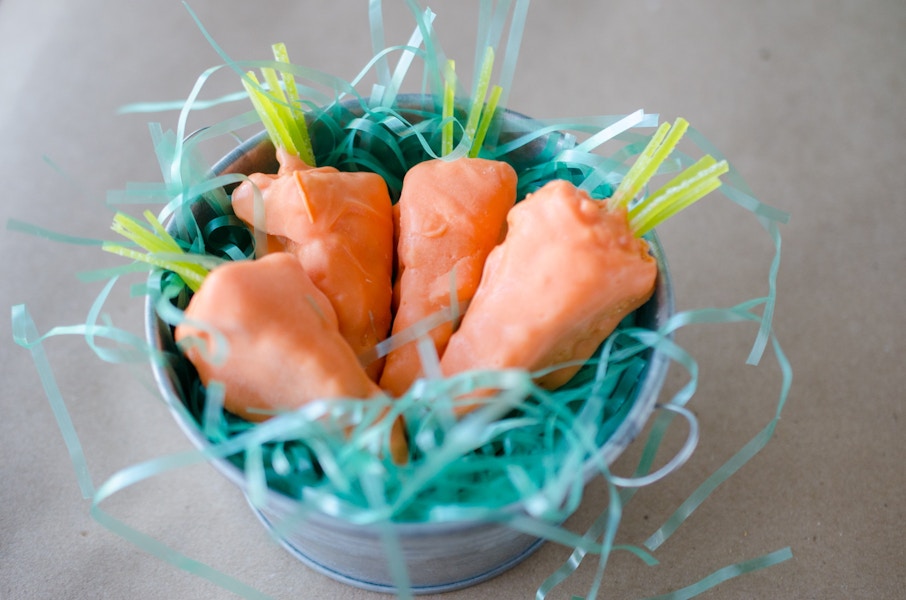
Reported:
(528, 447)
(280, 109)
(161, 249)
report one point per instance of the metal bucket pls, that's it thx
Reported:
(439, 556)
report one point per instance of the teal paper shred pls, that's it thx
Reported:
(35, 230)
(376, 21)
(727, 573)
(390, 91)
(114, 272)
(731, 466)
(519, 451)
(155, 548)
(26, 335)
(372, 485)
(137, 473)
(434, 57)
(164, 106)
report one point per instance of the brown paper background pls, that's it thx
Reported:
(804, 96)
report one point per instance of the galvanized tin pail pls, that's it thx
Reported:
(439, 556)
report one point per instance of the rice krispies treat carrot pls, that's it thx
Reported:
(565, 276)
(570, 269)
(339, 226)
(451, 214)
(270, 336)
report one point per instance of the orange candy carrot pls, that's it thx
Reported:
(451, 214)
(569, 270)
(283, 344)
(283, 347)
(340, 227)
